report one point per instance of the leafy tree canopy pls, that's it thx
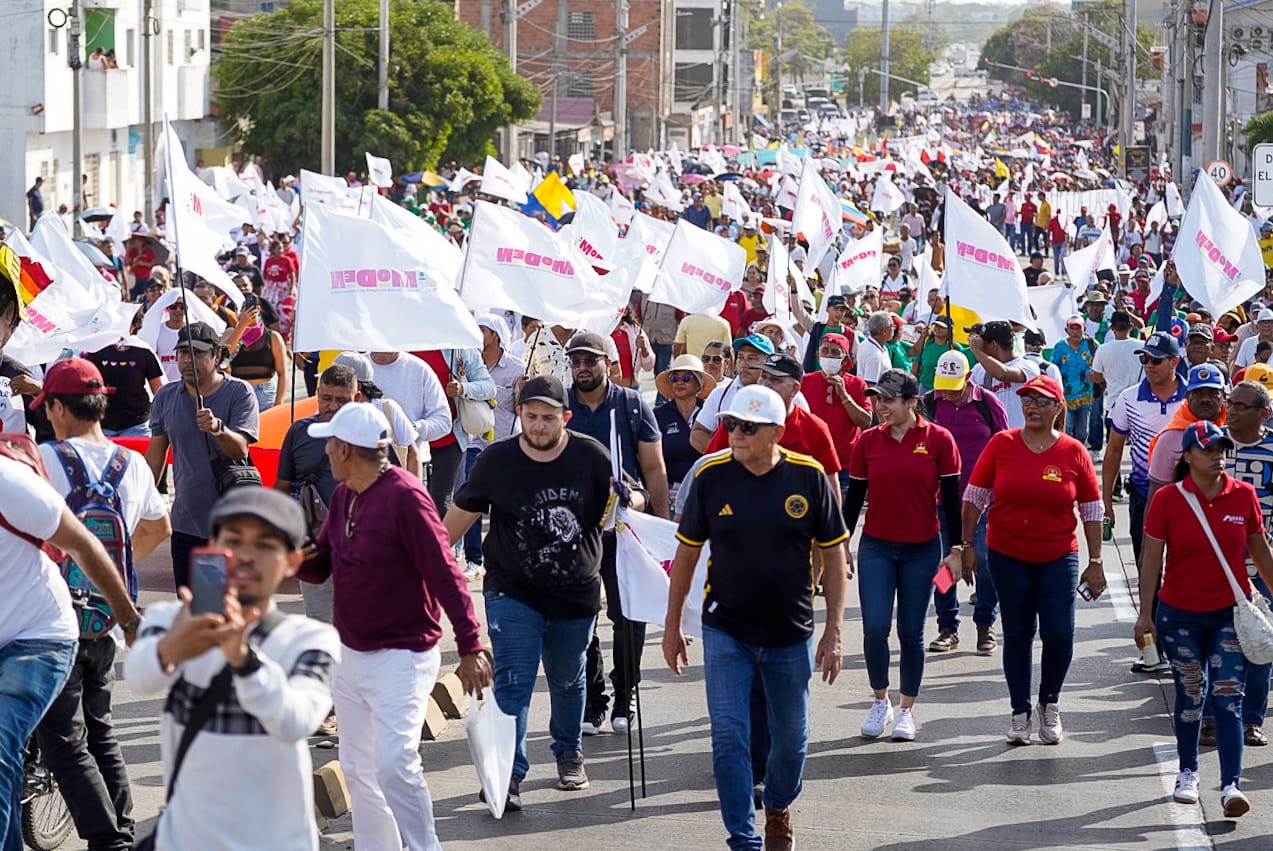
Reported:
(805, 42)
(907, 57)
(449, 88)
(1259, 129)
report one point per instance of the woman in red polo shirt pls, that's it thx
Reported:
(915, 463)
(1195, 601)
(1035, 475)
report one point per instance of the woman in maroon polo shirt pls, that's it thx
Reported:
(915, 465)
(1195, 601)
(1035, 475)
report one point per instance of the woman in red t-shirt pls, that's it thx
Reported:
(1195, 602)
(1035, 475)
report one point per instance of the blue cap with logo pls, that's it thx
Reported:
(756, 341)
(1204, 375)
(1204, 434)
(1160, 344)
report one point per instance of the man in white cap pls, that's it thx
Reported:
(393, 573)
(762, 507)
(1263, 331)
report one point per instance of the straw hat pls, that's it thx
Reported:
(685, 363)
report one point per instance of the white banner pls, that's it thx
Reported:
(653, 233)
(1217, 253)
(1175, 204)
(787, 193)
(1081, 265)
(817, 213)
(647, 547)
(1053, 304)
(982, 274)
(368, 287)
(887, 198)
(861, 263)
(463, 178)
(332, 192)
(594, 231)
(512, 262)
(621, 208)
(662, 193)
(732, 203)
(444, 255)
(777, 298)
(379, 171)
(699, 270)
(502, 183)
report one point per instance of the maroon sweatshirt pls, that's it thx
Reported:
(396, 574)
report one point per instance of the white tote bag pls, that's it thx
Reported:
(492, 739)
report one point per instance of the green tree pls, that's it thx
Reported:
(1259, 129)
(907, 57)
(449, 88)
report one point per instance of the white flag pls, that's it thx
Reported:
(1157, 213)
(1175, 204)
(594, 231)
(732, 203)
(463, 178)
(1217, 253)
(201, 220)
(1082, 264)
(777, 297)
(620, 207)
(699, 270)
(983, 277)
(786, 162)
(444, 255)
(662, 193)
(653, 233)
(368, 287)
(576, 163)
(787, 193)
(330, 192)
(1053, 304)
(887, 198)
(861, 263)
(500, 182)
(379, 171)
(512, 262)
(816, 213)
(647, 548)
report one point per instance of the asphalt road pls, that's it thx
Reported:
(1107, 786)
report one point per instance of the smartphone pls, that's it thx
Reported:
(1085, 591)
(250, 300)
(209, 572)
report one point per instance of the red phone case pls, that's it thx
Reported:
(944, 579)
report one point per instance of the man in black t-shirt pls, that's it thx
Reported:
(762, 507)
(129, 370)
(546, 490)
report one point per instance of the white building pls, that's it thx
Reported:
(36, 115)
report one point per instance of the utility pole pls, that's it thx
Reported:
(621, 81)
(776, 97)
(383, 100)
(1098, 79)
(510, 47)
(328, 143)
(558, 63)
(742, 117)
(861, 88)
(76, 63)
(718, 70)
(1213, 86)
(1129, 60)
(149, 31)
(884, 60)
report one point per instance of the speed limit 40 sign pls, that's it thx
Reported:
(1220, 171)
(1262, 174)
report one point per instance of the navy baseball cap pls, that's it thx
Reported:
(1160, 345)
(1204, 434)
(1202, 376)
(756, 341)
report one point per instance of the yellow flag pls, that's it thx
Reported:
(1001, 170)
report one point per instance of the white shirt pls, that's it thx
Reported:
(873, 360)
(246, 782)
(717, 402)
(166, 349)
(35, 603)
(908, 249)
(409, 382)
(12, 414)
(139, 498)
(1118, 362)
(1006, 390)
(1246, 352)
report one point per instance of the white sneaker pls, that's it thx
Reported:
(880, 716)
(1019, 732)
(904, 729)
(1234, 802)
(619, 723)
(1050, 730)
(1186, 788)
(473, 571)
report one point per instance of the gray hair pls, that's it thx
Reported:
(878, 322)
(1261, 392)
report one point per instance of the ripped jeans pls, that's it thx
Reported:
(1203, 650)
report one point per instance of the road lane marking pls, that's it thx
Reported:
(1120, 597)
(1190, 835)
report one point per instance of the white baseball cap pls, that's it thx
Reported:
(1264, 315)
(358, 424)
(756, 404)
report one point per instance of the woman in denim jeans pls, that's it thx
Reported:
(916, 464)
(1035, 475)
(1194, 623)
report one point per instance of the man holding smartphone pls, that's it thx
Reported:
(259, 681)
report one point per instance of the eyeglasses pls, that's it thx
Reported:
(713, 358)
(150, 287)
(836, 353)
(1242, 406)
(682, 377)
(1036, 401)
(1149, 359)
(176, 305)
(729, 424)
(584, 361)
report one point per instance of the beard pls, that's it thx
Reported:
(590, 381)
(543, 443)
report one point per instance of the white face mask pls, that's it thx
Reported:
(830, 366)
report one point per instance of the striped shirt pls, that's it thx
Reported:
(1253, 463)
(1139, 415)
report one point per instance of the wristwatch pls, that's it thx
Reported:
(1098, 560)
(130, 627)
(251, 664)
(957, 548)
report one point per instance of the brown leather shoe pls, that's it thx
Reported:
(778, 833)
(1254, 736)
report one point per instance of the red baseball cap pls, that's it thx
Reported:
(72, 377)
(1044, 386)
(1222, 336)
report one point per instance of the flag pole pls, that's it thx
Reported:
(176, 241)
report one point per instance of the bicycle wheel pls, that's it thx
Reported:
(46, 822)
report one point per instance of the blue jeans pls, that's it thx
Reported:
(891, 571)
(1187, 639)
(1058, 258)
(32, 674)
(520, 638)
(142, 429)
(1036, 595)
(265, 393)
(1027, 237)
(731, 667)
(1076, 420)
(947, 605)
(1096, 424)
(473, 537)
(1255, 702)
(663, 356)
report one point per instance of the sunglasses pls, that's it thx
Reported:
(585, 361)
(682, 377)
(176, 305)
(729, 424)
(1149, 359)
(713, 358)
(150, 287)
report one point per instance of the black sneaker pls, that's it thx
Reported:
(594, 723)
(513, 804)
(621, 718)
(570, 774)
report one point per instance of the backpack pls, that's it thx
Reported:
(19, 447)
(98, 506)
(929, 401)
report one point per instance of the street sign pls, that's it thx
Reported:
(1221, 172)
(1262, 174)
(1087, 112)
(1136, 163)
(1105, 39)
